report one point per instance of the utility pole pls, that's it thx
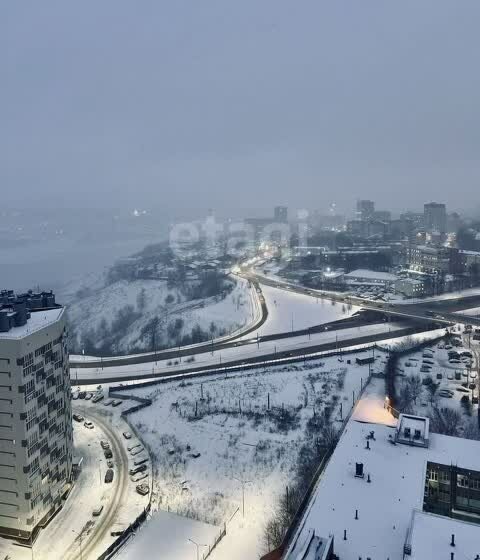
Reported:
(243, 482)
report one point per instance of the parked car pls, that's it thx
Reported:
(78, 418)
(97, 511)
(108, 402)
(82, 394)
(117, 402)
(88, 425)
(136, 451)
(109, 476)
(88, 396)
(132, 446)
(75, 396)
(138, 477)
(97, 398)
(127, 435)
(139, 469)
(139, 462)
(142, 489)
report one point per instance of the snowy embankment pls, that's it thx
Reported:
(123, 315)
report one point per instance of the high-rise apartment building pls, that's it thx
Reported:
(280, 214)
(435, 217)
(365, 209)
(36, 434)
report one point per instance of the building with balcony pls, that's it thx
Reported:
(36, 435)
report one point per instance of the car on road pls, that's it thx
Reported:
(88, 425)
(105, 444)
(110, 464)
(78, 418)
(108, 453)
(97, 511)
(142, 489)
(139, 477)
(139, 469)
(127, 435)
(109, 476)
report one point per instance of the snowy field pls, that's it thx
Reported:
(208, 435)
(289, 311)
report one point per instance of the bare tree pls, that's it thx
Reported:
(415, 385)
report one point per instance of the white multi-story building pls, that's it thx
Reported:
(36, 434)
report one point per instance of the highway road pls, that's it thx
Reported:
(422, 316)
(115, 374)
(441, 311)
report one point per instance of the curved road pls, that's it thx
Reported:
(104, 523)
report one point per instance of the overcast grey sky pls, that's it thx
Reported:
(240, 105)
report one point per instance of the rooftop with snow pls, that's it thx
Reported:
(376, 510)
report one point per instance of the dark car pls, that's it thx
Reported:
(139, 469)
(108, 453)
(109, 476)
(78, 418)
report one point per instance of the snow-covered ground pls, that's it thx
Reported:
(92, 316)
(474, 312)
(170, 536)
(289, 311)
(247, 427)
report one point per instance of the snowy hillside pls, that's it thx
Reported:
(141, 315)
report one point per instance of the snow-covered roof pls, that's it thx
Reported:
(431, 535)
(385, 504)
(170, 536)
(38, 320)
(372, 274)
